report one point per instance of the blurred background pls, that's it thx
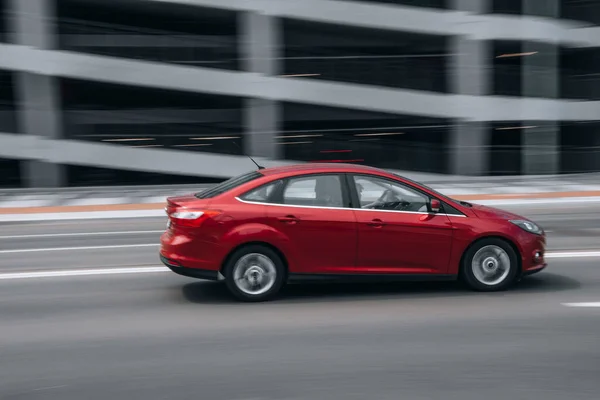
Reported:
(126, 92)
(497, 101)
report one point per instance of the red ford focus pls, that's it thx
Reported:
(271, 226)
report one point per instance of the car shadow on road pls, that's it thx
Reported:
(203, 292)
(547, 283)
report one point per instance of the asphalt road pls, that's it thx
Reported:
(161, 336)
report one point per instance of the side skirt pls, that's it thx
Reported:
(298, 278)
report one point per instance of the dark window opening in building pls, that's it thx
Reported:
(505, 150)
(580, 73)
(580, 147)
(581, 10)
(397, 142)
(92, 176)
(508, 68)
(520, 7)
(186, 35)
(8, 115)
(6, 90)
(442, 4)
(4, 21)
(365, 56)
(11, 173)
(143, 117)
(514, 7)
(527, 69)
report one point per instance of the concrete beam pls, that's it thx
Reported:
(254, 85)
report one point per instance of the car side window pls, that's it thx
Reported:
(314, 190)
(262, 194)
(383, 194)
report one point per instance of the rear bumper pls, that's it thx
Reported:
(190, 272)
(182, 251)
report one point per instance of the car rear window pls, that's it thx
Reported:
(228, 185)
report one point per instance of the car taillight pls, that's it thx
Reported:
(192, 218)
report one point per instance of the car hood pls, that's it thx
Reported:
(486, 212)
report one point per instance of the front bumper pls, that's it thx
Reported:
(535, 270)
(534, 252)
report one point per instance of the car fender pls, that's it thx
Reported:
(465, 239)
(260, 233)
(497, 234)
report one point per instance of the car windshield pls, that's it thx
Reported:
(463, 203)
(228, 185)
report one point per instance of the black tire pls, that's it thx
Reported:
(469, 276)
(277, 263)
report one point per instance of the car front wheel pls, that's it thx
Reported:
(254, 273)
(490, 265)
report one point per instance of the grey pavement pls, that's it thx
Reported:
(163, 336)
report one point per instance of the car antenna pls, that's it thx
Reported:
(252, 159)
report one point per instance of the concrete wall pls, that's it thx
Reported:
(32, 55)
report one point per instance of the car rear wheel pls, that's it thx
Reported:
(490, 265)
(254, 273)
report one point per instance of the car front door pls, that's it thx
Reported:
(314, 213)
(396, 232)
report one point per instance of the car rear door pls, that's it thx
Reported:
(396, 233)
(314, 213)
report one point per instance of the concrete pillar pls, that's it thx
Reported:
(260, 36)
(540, 148)
(541, 78)
(37, 96)
(470, 75)
(470, 148)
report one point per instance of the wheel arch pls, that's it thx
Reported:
(268, 245)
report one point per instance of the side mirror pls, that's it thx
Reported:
(435, 205)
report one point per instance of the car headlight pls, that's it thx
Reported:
(528, 226)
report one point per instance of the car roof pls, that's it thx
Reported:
(320, 167)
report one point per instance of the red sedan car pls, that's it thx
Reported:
(271, 226)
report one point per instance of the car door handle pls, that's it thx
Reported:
(288, 219)
(376, 223)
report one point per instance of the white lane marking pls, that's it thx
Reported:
(151, 269)
(49, 388)
(78, 234)
(81, 272)
(568, 254)
(122, 246)
(70, 216)
(585, 305)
